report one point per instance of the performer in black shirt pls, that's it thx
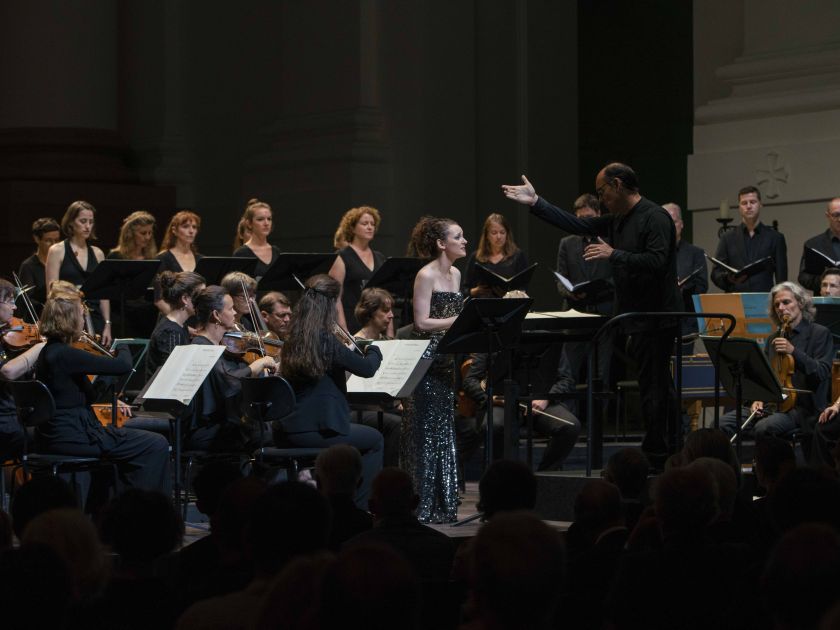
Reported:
(45, 233)
(747, 243)
(177, 290)
(827, 243)
(258, 223)
(497, 250)
(178, 251)
(641, 247)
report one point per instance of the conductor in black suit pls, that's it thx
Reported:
(827, 243)
(690, 259)
(748, 242)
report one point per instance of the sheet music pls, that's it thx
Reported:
(571, 313)
(183, 373)
(399, 361)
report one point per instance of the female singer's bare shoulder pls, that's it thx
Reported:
(57, 249)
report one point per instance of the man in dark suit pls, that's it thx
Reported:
(747, 243)
(827, 243)
(692, 271)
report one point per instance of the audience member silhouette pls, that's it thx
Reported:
(806, 495)
(36, 590)
(722, 528)
(506, 486)
(36, 497)
(6, 532)
(293, 601)
(338, 473)
(628, 469)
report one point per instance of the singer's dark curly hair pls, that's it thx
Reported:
(425, 235)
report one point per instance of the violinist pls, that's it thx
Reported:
(32, 272)
(276, 310)
(217, 423)
(74, 259)
(142, 457)
(177, 290)
(11, 368)
(178, 251)
(810, 346)
(241, 287)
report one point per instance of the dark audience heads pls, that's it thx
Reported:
(6, 532)
(392, 494)
(235, 505)
(628, 470)
(686, 501)
(774, 457)
(806, 495)
(711, 443)
(725, 482)
(141, 526)
(211, 482)
(598, 508)
(36, 497)
(293, 600)
(368, 578)
(801, 577)
(506, 486)
(36, 589)
(289, 519)
(73, 537)
(338, 470)
(518, 564)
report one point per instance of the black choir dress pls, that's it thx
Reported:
(72, 272)
(427, 440)
(356, 275)
(261, 268)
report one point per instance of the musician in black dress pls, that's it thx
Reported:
(356, 260)
(142, 457)
(257, 223)
(178, 251)
(177, 290)
(315, 362)
(497, 250)
(74, 259)
(32, 272)
(216, 423)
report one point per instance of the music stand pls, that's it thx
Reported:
(745, 372)
(280, 276)
(828, 314)
(486, 325)
(118, 279)
(214, 268)
(396, 275)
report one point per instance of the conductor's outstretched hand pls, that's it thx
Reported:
(523, 194)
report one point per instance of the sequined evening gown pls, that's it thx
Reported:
(427, 440)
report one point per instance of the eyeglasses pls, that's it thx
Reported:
(600, 190)
(834, 215)
(8, 302)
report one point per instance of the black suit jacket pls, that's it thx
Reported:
(571, 264)
(822, 243)
(732, 251)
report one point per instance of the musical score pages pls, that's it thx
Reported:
(183, 373)
(401, 369)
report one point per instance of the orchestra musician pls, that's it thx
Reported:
(142, 457)
(810, 345)
(241, 287)
(638, 238)
(257, 224)
(74, 259)
(375, 315)
(747, 243)
(427, 443)
(356, 261)
(827, 243)
(497, 250)
(276, 310)
(178, 291)
(314, 362)
(136, 242)
(32, 272)
(217, 416)
(178, 251)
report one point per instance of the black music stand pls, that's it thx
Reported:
(828, 314)
(486, 325)
(214, 268)
(396, 275)
(118, 279)
(744, 372)
(280, 276)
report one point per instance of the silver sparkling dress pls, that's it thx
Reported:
(427, 440)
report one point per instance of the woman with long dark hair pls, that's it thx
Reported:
(315, 362)
(427, 448)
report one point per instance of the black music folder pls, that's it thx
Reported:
(396, 275)
(494, 280)
(116, 278)
(591, 291)
(682, 281)
(764, 264)
(214, 268)
(816, 262)
(281, 275)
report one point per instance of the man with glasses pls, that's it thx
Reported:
(276, 310)
(747, 243)
(638, 239)
(827, 243)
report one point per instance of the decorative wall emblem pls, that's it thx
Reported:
(768, 179)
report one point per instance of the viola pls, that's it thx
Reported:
(784, 366)
(249, 346)
(18, 335)
(102, 411)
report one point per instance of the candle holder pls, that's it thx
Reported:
(724, 225)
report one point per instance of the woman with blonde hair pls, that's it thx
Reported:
(498, 252)
(356, 261)
(257, 221)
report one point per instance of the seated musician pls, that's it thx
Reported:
(240, 286)
(177, 290)
(276, 310)
(217, 419)
(12, 367)
(551, 419)
(315, 362)
(142, 457)
(810, 346)
(375, 315)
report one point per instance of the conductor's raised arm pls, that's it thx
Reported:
(524, 194)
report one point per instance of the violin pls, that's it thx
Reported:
(18, 335)
(249, 346)
(102, 411)
(784, 366)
